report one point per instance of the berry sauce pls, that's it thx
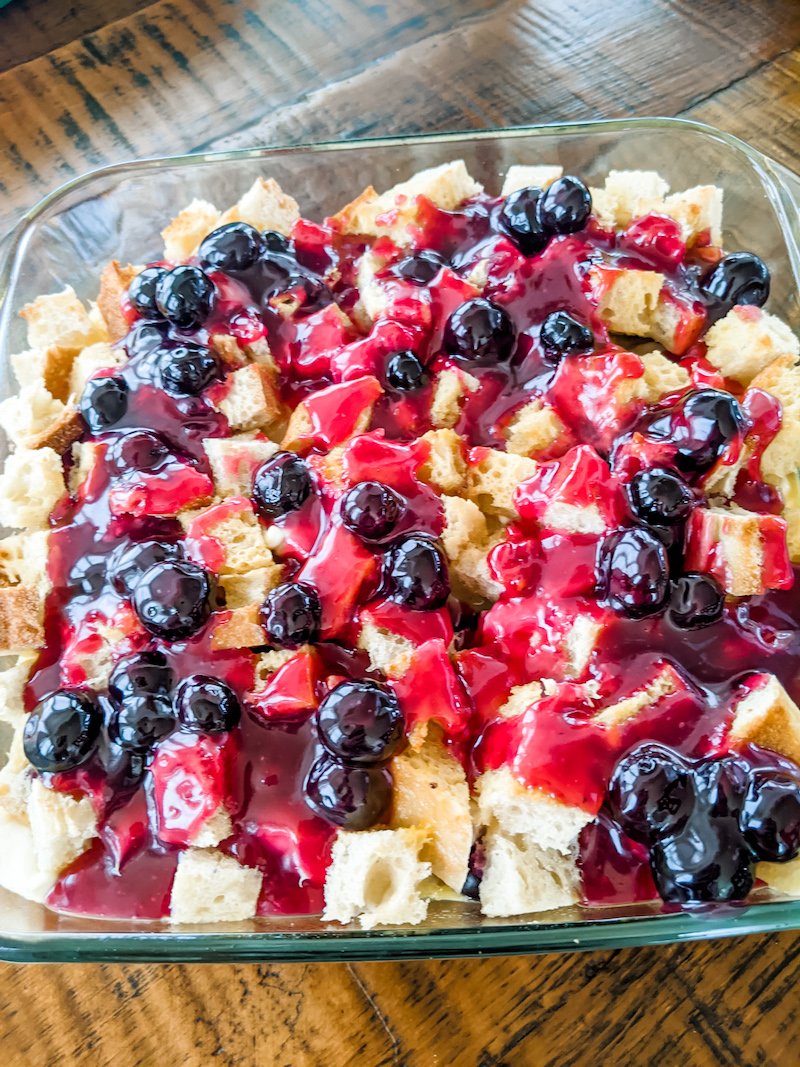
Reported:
(363, 563)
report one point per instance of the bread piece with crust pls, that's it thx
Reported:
(62, 827)
(50, 367)
(251, 401)
(747, 341)
(519, 810)
(631, 302)
(239, 628)
(661, 378)
(394, 213)
(627, 195)
(21, 618)
(35, 419)
(235, 460)
(767, 716)
(781, 457)
(31, 485)
(467, 543)
(212, 887)
(265, 206)
(492, 478)
(60, 319)
(665, 682)
(520, 176)
(746, 552)
(114, 282)
(534, 429)
(445, 468)
(96, 357)
(388, 652)
(188, 228)
(431, 792)
(448, 393)
(13, 680)
(375, 876)
(243, 590)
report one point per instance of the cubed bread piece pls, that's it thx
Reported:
(746, 552)
(747, 340)
(23, 560)
(661, 378)
(242, 590)
(394, 213)
(520, 699)
(188, 229)
(467, 544)
(35, 419)
(62, 827)
(265, 206)
(19, 870)
(213, 829)
(767, 716)
(239, 628)
(449, 391)
(13, 680)
(269, 662)
(431, 792)
(60, 319)
(519, 877)
(31, 485)
(518, 810)
(373, 297)
(21, 618)
(234, 462)
(630, 302)
(251, 401)
(523, 177)
(665, 682)
(627, 195)
(375, 876)
(16, 776)
(492, 478)
(785, 877)
(84, 456)
(239, 535)
(445, 467)
(114, 282)
(698, 211)
(210, 887)
(50, 367)
(388, 652)
(535, 428)
(781, 457)
(580, 642)
(96, 357)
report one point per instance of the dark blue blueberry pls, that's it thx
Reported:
(141, 722)
(354, 798)
(235, 246)
(634, 572)
(565, 206)
(281, 485)
(421, 268)
(88, 575)
(185, 296)
(561, 335)
(651, 792)
(275, 242)
(360, 722)
(171, 599)
(416, 573)
(405, 372)
(741, 278)
(371, 511)
(660, 497)
(61, 733)
(291, 615)
(770, 815)
(187, 369)
(207, 705)
(519, 218)
(144, 337)
(129, 560)
(480, 331)
(701, 427)
(696, 601)
(142, 290)
(138, 450)
(104, 402)
(140, 674)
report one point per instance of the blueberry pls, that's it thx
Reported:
(706, 862)
(561, 335)
(139, 450)
(481, 331)
(651, 792)
(144, 337)
(416, 573)
(281, 485)
(141, 674)
(371, 511)
(275, 242)
(421, 268)
(142, 290)
(185, 296)
(565, 206)
(635, 572)
(519, 218)
(125, 768)
(233, 247)
(701, 427)
(104, 402)
(360, 722)
(141, 721)
(660, 497)
(354, 798)
(171, 599)
(770, 815)
(129, 560)
(207, 705)
(61, 733)
(697, 600)
(741, 278)
(88, 575)
(405, 372)
(188, 369)
(291, 615)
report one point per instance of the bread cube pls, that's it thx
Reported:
(21, 618)
(13, 680)
(492, 479)
(234, 462)
(746, 552)
(62, 827)
(445, 468)
(238, 628)
(661, 378)
(781, 457)
(60, 319)
(212, 887)
(519, 877)
(520, 699)
(523, 177)
(767, 716)
(665, 682)
(448, 393)
(467, 543)
(375, 876)
(16, 776)
(242, 590)
(747, 341)
(388, 652)
(186, 231)
(35, 419)
(518, 810)
(373, 297)
(114, 282)
(265, 206)
(698, 211)
(535, 429)
(251, 401)
(627, 195)
(50, 367)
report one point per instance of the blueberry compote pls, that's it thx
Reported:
(292, 737)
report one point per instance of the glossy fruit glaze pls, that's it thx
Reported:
(150, 804)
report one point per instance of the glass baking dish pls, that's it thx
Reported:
(117, 213)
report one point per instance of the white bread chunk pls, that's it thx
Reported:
(96, 357)
(393, 213)
(31, 485)
(23, 560)
(785, 877)
(16, 776)
(523, 177)
(570, 518)
(661, 378)
(251, 402)
(235, 460)
(35, 419)
(580, 642)
(666, 681)
(747, 340)
(492, 481)
(375, 876)
(240, 534)
(520, 699)
(213, 829)
(533, 429)
(781, 457)
(448, 393)
(627, 195)
(182, 236)
(445, 468)
(632, 303)
(467, 543)
(62, 827)
(519, 810)
(265, 206)
(268, 662)
(50, 367)
(212, 887)
(388, 652)
(738, 547)
(767, 716)
(698, 211)
(373, 297)
(242, 590)
(84, 456)
(520, 878)
(13, 680)
(431, 792)
(60, 319)
(19, 869)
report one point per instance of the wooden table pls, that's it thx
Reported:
(107, 80)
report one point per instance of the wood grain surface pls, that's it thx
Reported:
(99, 82)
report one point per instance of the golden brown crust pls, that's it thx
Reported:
(61, 434)
(21, 611)
(241, 630)
(114, 282)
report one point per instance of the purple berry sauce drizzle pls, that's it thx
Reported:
(182, 727)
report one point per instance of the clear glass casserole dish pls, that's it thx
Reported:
(116, 212)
